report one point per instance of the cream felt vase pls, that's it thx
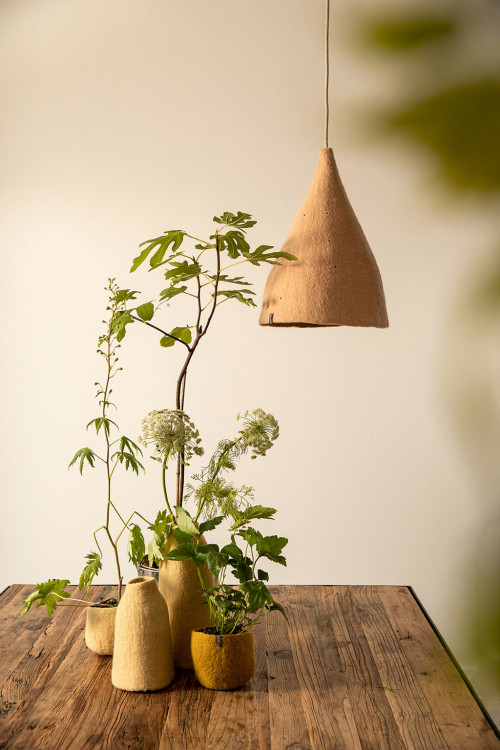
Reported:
(142, 658)
(181, 587)
(100, 629)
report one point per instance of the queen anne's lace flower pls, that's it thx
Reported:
(259, 432)
(172, 433)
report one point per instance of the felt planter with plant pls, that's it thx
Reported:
(223, 653)
(201, 275)
(116, 451)
(214, 499)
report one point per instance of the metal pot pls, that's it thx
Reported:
(144, 570)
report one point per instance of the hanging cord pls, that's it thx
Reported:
(327, 69)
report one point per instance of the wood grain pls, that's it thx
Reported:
(354, 668)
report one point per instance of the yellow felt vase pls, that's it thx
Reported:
(100, 630)
(180, 585)
(226, 666)
(142, 658)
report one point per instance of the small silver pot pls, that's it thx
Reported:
(144, 570)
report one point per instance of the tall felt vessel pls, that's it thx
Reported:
(142, 658)
(180, 585)
(335, 280)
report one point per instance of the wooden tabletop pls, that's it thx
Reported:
(357, 667)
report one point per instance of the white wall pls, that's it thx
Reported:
(123, 119)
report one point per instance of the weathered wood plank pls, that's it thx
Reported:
(37, 672)
(458, 716)
(409, 705)
(362, 713)
(356, 667)
(14, 629)
(287, 717)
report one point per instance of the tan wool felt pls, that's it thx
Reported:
(335, 280)
(223, 667)
(142, 658)
(100, 629)
(180, 585)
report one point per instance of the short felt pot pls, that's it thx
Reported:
(142, 658)
(100, 629)
(225, 666)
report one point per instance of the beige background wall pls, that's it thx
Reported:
(122, 119)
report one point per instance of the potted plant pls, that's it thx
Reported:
(223, 653)
(214, 498)
(118, 451)
(200, 274)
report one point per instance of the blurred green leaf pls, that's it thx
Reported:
(461, 126)
(408, 33)
(145, 311)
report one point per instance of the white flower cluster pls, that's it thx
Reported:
(171, 432)
(259, 432)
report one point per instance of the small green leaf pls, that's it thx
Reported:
(172, 291)
(260, 255)
(182, 332)
(173, 237)
(145, 311)
(241, 518)
(233, 551)
(182, 271)
(184, 551)
(84, 454)
(155, 553)
(236, 294)
(91, 569)
(211, 524)
(185, 522)
(136, 547)
(240, 220)
(49, 593)
(216, 561)
(262, 575)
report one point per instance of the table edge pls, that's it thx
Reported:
(455, 663)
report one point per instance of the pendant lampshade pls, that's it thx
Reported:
(335, 280)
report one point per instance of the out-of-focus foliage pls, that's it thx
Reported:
(408, 33)
(456, 117)
(461, 125)
(447, 101)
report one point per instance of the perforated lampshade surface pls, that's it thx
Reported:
(335, 280)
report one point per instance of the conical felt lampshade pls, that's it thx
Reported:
(335, 280)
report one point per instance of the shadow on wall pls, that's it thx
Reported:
(448, 106)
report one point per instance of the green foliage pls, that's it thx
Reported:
(241, 518)
(48, 593)
(234, 243)
(456, 123)
(185, 522)
(172, 238)
(91, 569)
(401, 34)
(84, 454)
(266, 254)
(236, 294)
(182, 271)
(239, 220)
(136, 546)
(103, 422)
(145, 311)
(183, 333)
(171, 291)
(236, 609)
(160, 527)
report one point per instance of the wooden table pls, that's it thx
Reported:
(357, 667)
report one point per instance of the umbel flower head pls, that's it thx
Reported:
(172, 433)
(258, 433)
